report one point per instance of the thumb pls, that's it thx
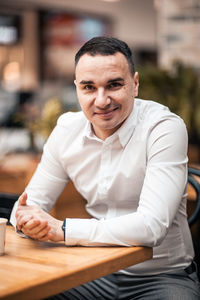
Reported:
(22, 199)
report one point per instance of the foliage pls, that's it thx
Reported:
(38, 120)
(47, 120)
(178, 89)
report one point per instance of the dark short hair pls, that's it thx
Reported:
(106, 46)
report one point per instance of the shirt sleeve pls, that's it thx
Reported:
(49, 178)
(160, 198)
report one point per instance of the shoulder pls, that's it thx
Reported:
(69, 126)
(156, 121)
(70, 119)
(149, 107)
(152, 113)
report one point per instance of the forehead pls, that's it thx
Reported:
(101, 64)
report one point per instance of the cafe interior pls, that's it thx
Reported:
(38, 41)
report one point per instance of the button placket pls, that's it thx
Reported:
(104, 170)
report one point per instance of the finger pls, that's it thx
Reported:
(42, 227)
(30, 225)
(45, 238)
(43, 234)
(21, 221)
(22, 199)
(38, 235)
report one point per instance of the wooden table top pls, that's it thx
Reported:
(34, 270)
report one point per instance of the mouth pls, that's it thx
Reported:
(106, 113)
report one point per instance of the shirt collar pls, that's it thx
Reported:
(88, 133)
(124, 133)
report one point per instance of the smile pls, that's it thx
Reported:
(107, 113)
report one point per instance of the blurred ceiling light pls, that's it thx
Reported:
(11, 76)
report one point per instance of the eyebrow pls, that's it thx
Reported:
(109, 81)
(86, 82)
(115, 79)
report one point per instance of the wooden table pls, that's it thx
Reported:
(34, 270)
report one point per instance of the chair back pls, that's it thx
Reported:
(7, 202)
(193, 181)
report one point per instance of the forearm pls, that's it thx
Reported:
(128, 230)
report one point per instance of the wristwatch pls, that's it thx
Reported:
(64, 227)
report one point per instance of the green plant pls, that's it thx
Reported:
(39, 120)
(46, 122)
(178, 89)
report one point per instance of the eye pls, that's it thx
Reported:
(89, 87)
(114, 85)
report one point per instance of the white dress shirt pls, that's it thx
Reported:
(134, 183)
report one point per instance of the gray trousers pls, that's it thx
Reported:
(175, 285)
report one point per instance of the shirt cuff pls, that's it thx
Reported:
(12, 216)
(79, 231)
(13, 220)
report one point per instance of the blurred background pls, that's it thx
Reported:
(38, 41)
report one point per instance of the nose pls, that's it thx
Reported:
(102, 100)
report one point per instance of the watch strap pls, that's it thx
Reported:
(64, 227)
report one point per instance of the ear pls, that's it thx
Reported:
(136, 83)
(75, 82)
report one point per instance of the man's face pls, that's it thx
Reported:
(106, 91)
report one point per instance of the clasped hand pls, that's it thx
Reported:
(36, 223)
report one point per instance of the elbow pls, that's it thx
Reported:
(155, 239)
(155, 233)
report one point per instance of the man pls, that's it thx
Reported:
(128, 158)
